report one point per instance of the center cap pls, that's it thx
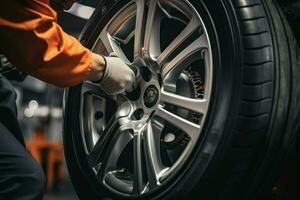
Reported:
(151, 96)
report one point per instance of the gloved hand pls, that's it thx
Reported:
(117, 77)
(111, 73)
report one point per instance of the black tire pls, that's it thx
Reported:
(253, 122)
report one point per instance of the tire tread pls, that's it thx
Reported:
(257, 91)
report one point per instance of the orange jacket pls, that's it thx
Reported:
(33, 41)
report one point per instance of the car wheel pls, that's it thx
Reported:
(215, 108)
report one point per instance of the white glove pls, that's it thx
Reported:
(117, 77)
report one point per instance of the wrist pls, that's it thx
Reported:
(98, 68)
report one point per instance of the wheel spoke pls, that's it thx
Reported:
(196, 105)
(188, 127)
(122, 139)
(147, 28)
(105, 39)
(139, 27)
(152, 30)
(152, 152)
(138, 185)
(97, 155)
(176, 45)
(118, 125)
(112, 45)
(208, 72)
(184, 59)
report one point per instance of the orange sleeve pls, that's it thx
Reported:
(33, 41)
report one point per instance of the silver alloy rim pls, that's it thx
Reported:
(135, 130)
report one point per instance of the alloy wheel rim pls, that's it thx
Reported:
(127, 146)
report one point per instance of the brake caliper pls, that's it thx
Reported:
(175, 139)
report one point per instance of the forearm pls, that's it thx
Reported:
(38, 46)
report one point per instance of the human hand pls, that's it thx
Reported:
(118, 77)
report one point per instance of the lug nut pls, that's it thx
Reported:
(151, 96)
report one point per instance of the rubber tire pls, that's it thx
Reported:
(253, 121)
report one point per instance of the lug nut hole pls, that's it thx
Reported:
(146, 74)
(138, 114)
(134, 95)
